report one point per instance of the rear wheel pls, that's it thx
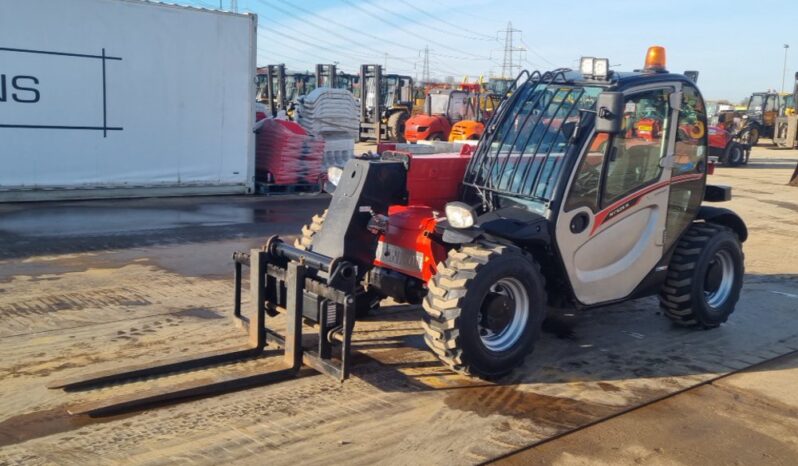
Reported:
(436, 137)
(484, 309)
(396, 126)
(735, 155)
(704, 277)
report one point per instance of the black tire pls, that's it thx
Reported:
(436, 137)
(735, 154)
(753, 136)
(396, 126)
(453, 321)
(693, 272)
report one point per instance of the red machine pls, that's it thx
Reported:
(509, 242)
(727, 147)
(406, 244)
(648, 128)
(442, 109)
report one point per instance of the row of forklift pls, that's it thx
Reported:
(392, 107)
(767, 114)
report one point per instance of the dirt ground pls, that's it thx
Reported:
(747, 418)
(96, 285)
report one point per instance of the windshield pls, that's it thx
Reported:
(525, 152)
(262, 92)
(460, 107)
(439, 104)
(499, 85)
(755, 104)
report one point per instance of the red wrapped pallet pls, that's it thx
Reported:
(287, 155)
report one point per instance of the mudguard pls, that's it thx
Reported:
(725, 217)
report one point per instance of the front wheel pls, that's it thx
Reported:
(396, 126)
(484, 309)
(704, 278)
(753, 136)
(735, 155)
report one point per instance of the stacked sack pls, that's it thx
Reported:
(332, 114)
(286, 154)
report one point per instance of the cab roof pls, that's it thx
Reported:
(624, 79)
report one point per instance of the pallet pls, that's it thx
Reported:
(299, 188)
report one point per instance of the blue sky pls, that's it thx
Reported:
(736, 45)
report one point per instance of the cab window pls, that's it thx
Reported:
(691, 134)
(587, 179)
(772, 104)
(635, 153)
(689, 157)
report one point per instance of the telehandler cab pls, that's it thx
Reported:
(564, 201)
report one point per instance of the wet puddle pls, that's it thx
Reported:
(508, 400)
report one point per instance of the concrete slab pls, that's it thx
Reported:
(91, 298)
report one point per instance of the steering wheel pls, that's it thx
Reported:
(587, 181)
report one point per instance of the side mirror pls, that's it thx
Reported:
(609, 112)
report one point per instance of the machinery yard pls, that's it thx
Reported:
(403, 233)
(134, 281)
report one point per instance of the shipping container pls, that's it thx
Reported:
(124, 98)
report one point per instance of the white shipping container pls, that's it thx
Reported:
(104, 98)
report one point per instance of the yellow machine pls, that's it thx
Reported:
(485, 105)
(785, 131)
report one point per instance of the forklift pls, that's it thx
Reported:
(329, 76)
(271, 88)
(386, 101)
(760, 116)
(565, 202)
(279, 89)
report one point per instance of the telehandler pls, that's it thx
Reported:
(561, 203)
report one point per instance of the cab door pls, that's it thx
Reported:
(770, 110)
(611, 224)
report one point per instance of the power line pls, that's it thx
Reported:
(352, 55)
(333, 32)
(399, 27)
(442, 21)
(521, 39)
(347, 39)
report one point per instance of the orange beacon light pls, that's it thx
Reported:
(655, 58)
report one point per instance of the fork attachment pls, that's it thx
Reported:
(307, 286)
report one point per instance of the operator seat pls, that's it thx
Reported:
(632, 167)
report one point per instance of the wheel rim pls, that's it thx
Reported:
(504, 314)
(719, 279)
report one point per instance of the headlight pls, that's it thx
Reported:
(334, 175)
(460, 214)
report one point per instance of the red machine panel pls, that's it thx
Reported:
(406, 246)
